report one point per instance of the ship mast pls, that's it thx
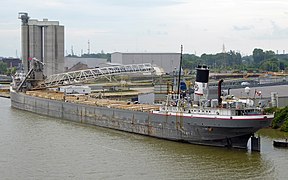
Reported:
(179, 75)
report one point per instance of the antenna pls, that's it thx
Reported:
(224, 55)
(88, 47)
(72, 52)
(223, 49)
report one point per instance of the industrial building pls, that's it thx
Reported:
(75, 63)
(167, 61)
(11, 62)
(43, 40)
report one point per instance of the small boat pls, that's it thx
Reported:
(280, 143)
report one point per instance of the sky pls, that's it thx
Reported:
(201, 26)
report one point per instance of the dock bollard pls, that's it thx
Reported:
(255, 143)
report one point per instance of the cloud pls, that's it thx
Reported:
(279, 32)
(153, 24)
(140, 3)
(275, 32)
(242, 28)
(150, 32)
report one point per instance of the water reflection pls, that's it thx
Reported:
(199, 162)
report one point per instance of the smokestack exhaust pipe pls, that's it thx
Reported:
(219, 92)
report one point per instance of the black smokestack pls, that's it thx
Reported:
(202, 74)
(201, 83)
(219, 92)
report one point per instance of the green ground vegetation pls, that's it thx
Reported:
(281, 118)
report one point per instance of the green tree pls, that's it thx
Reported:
(269, 54)
(258, 55)
(282, 65)
(11, 71)
(281, 118)
(266, 60)
(270, 65)
(3, 67)
(190, 61)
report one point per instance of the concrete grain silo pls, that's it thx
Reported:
(43, 40)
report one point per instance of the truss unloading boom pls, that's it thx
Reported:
(92, 74)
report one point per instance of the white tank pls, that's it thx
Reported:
(247, 90)
(214, 103)
(274, 99)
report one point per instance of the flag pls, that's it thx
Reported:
(258, 93)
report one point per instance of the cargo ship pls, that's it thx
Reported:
(226, 122)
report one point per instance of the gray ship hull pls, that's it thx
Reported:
(196, 130)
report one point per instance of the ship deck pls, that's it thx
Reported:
(88, 100)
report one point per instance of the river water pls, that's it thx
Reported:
(39, 147)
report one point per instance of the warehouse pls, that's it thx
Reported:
(70, 63)
(167, 61)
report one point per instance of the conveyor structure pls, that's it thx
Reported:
(93, 74)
